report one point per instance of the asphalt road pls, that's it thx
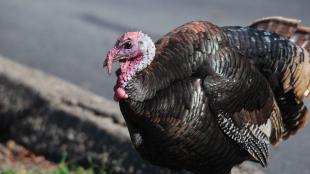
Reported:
(69, 38)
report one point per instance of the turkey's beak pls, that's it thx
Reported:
(118, 57)
(112, 56)
(115, 59)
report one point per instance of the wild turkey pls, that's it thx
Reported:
(206, 98)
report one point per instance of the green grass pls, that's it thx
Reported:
(8, 172)
(62, 168)
(106, 166)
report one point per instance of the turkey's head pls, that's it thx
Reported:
(134, 51)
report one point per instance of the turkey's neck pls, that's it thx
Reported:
(157, 76)
(141, 86)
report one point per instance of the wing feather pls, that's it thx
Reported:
(243, 102)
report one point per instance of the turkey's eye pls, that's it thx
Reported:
(127, 45)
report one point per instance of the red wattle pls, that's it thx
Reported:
(120, 94)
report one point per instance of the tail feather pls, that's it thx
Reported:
(282, 26)
(293, 110)
(287, 28)
(302, 37)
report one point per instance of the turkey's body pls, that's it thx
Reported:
(214, 97)
(187, 135)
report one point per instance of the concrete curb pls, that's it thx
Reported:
(52, 117)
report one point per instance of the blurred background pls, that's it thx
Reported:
(70, 38)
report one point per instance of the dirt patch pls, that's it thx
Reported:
(14, 156)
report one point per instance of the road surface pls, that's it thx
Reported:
(69, 38)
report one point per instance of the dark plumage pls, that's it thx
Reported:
(213, 97)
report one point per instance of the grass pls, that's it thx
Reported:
(106, 166)
(62, 168)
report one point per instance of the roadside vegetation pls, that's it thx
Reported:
(62, 168)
